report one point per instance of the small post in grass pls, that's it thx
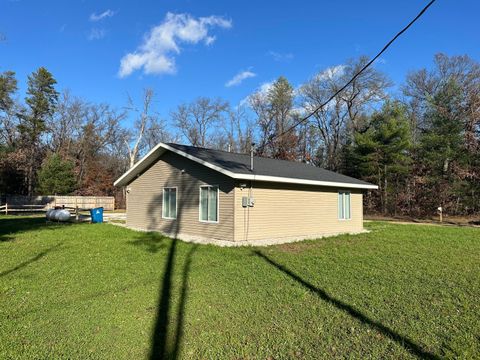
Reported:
(440, 213)
(6, 208)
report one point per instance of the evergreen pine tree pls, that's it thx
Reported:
(41, 100)
(381, 152)
(441, 147)
(56, 176)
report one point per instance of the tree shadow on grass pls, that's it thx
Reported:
(159, 337)
(408, 344)
(97, 296)
(31, 260)
(11, 226)
(152, 242)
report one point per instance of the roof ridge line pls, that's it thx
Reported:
(246, 154)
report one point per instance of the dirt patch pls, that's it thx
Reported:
(473, 221)
(294, 248)
(299, 247)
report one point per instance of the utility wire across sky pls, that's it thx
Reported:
(305, 118)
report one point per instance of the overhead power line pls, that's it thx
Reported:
(305, 118)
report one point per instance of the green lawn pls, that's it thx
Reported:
(104, 292)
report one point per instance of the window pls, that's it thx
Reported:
(209, 203)
(344, 205)
(169, 203)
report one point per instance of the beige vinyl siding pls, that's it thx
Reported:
(293, 211)
(144, 199)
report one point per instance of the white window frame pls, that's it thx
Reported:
(200, 204)
(176, 202)
(343, 205)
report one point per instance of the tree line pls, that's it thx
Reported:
(420, 143)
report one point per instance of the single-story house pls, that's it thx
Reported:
(199, 194)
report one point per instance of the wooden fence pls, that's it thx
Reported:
(85, 202)
(21, 208)
(50, 201)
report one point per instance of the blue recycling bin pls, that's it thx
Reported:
(97, 215)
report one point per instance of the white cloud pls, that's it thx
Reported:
(280, 56)
(97, 17)
(262, 90)
(97, 34)
(265, 87)
(156, 55)
(210, 40)
(331, 72)
(238, 78)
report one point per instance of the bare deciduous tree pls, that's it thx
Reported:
(344, 113)
(134, 141)
(275, 116)
(422, 85)
(66, 124)
(199, 120)
(8, 108)
(99, 134)
(156, 132)
(239, 130)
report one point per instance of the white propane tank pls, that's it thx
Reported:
(53, 214)
(50, 214)
(62, 215)
(58, 215)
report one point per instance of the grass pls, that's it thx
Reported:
(104, 292)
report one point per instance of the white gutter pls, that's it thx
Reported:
(304, 181)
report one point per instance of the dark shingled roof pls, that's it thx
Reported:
(240, 164)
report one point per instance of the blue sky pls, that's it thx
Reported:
(196, 54)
